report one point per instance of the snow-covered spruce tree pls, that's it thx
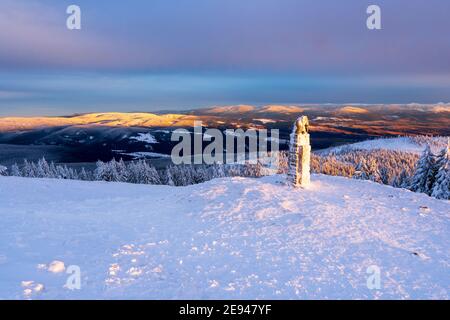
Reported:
(384, 175)
(43, 169)
(3, 170)
(361, 170)
(180, 175)
(283, 162)
(252, 170)
(117, 170)
(425, 173)
(15, 171)
(233, 170)
(136, 172)
(84, 175)
(200, 174)
(63, 172)
(441, 187)
(187, 173)
(53, 169)
(441, 157)
(27, 169)
(167, 178)
(121, 170)
(219, 170)
(401, 181)
(100, 170)
(107, 171)
(149, 174)
(373, 172)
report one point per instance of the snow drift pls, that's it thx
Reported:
(228, 238)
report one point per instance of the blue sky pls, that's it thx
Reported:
(160, 54)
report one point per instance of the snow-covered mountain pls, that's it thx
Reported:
(107, 119)
(227, 238)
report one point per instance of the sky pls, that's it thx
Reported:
(140, 55)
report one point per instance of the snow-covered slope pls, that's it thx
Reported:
(405, 144)
(107, 119)
(228, 238)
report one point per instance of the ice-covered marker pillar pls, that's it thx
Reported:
(299, 154)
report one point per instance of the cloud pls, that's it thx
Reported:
(33, 34)
(322, 37)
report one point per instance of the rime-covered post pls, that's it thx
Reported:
(299, 154)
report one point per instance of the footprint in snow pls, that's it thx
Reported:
(419, 255)
(424, 210)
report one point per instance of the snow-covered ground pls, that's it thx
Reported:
(228, 238)
(405, 144)
(145, 155)
(145, 137)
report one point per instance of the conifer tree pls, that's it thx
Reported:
(425, 173)
(15, 171)
(441, 187)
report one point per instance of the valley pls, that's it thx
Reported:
(87, 138)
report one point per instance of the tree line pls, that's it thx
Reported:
(427, 173)
(139, 172)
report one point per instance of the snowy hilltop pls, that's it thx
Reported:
(224, 239)
(412, 144)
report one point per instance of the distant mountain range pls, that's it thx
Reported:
(88, 137)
